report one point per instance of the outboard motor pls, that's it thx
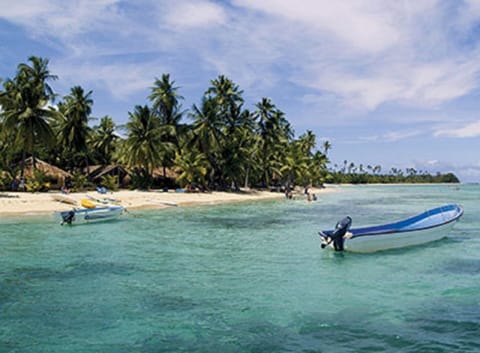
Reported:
(68, 218)
(339, 232)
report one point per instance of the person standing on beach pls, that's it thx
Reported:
(21, 186)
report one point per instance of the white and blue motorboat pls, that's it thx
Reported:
(89, 215)
(425, 227)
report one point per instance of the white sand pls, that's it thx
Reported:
(35, 203)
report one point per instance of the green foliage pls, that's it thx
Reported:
(192, 167)
(79, 182)
(24, 102)
(395, 177)
(142, 148)
(103, 141)
(5, 180)
(110, 182)
(39, 182)
(141, 179)
(224, 146)
(32, 185)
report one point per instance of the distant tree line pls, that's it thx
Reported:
(349, 173)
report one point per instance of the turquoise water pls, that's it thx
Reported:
(242, 278)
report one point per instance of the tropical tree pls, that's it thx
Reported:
(295, 166)
(74, 129)
(275, 133)
(142, 149)
(25, 111)
(166, 101)
(103, 139)
(226, 95)
(166, 104)
(327, 146)
(307, 142)
(192, 166)
(207, 132)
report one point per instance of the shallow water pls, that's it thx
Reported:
(245, 277)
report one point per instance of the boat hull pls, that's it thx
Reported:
(423, 228)
(366, 244)
(90, 215)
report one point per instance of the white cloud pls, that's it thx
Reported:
(194, 14)
(361, 54)
(57, 18)
(469, 130)
(400, 135)
(363, 25)
(121, 80)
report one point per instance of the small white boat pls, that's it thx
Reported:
(88, 215)
(425, 227)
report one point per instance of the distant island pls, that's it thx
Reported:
(425, 178)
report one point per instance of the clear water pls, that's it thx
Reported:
(242, 278)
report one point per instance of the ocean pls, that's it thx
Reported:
(245, 277)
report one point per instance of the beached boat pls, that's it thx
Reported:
(425, 227)
(88, 215)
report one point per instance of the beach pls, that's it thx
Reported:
(38, 203)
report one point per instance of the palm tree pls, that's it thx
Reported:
(39, 75)
(74, 129)
(207, 130)
(25, 108)
(166, 100)
(103, 139)
(143, 149)
(275, 132)
(307, 142)
(226, 93)
(326, 147)
(192, 166)
(318, 166)
(295, 166)
(230, 160)
(166, 104)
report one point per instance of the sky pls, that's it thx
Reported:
(390, 83)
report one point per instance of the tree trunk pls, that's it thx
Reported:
(247, 176)
(22, 173)
(88, 167)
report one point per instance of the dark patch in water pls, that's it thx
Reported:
(450, 324)
(17, 281)
(255, 337)
(71, 271)
(463, 267)
(164, 303)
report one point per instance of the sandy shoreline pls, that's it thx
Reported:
(24, 203)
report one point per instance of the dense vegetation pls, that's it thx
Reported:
(370, 175)
(218, 144)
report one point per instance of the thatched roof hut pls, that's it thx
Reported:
(55, 174)
(96, 172)
(48, 169)
(169, 173)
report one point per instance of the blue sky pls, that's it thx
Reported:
(390, 83)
